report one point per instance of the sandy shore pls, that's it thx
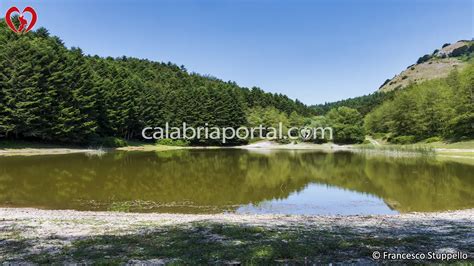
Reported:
(44, 236)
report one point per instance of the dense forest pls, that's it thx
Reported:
(51, 93)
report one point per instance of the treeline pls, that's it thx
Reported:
(51, 93)
(347, 124)
(437, 109)
(363, 104)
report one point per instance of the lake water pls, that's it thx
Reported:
(236, 181)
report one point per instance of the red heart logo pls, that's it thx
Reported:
(21, 18)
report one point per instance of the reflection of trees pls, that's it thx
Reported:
(228, 177)
(406, 184)
(201, 177)
(420, 185)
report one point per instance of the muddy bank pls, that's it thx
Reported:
(45, 236)
(47, 151)
(467, 154)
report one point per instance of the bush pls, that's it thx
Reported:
(284, 141)
(423, 59)
(460, 51)
(380, 135)
(404, 140)
(388, 137)
(111, 142)
(173, 142)
(432, 139)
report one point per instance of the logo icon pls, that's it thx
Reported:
(24, 25)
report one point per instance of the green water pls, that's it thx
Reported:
(228, 180)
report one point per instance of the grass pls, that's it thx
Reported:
(120, 206)
(21, 144)
(460, 152)
(215, 243)
(466, 144)
(132, 145)
(421, 150)
(469, 144)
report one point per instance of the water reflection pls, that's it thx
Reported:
(321, 199)
(195, 181)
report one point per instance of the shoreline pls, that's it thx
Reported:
(47, 151)
(87, 237)
(446, 153)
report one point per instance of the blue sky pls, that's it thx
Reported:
(315, 51)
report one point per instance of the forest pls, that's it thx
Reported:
(434, 110)
(363, 104)
(51, 93)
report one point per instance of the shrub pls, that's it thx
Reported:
(404, 140)
(111, 142)
(173, 142)
(432, 139)
(385, 82)
(423, 59)
(380, 135)
(284, 141)
(388, 137)
(460, 51)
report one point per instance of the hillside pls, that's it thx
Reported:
(427, 101)
(430, 110)
(428, 67)
(432, 66)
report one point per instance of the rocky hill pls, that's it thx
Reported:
(432, 66)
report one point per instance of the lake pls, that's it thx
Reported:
(236, 181)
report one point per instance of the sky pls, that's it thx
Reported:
(314, 51)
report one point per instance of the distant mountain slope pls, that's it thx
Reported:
(432, 66)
